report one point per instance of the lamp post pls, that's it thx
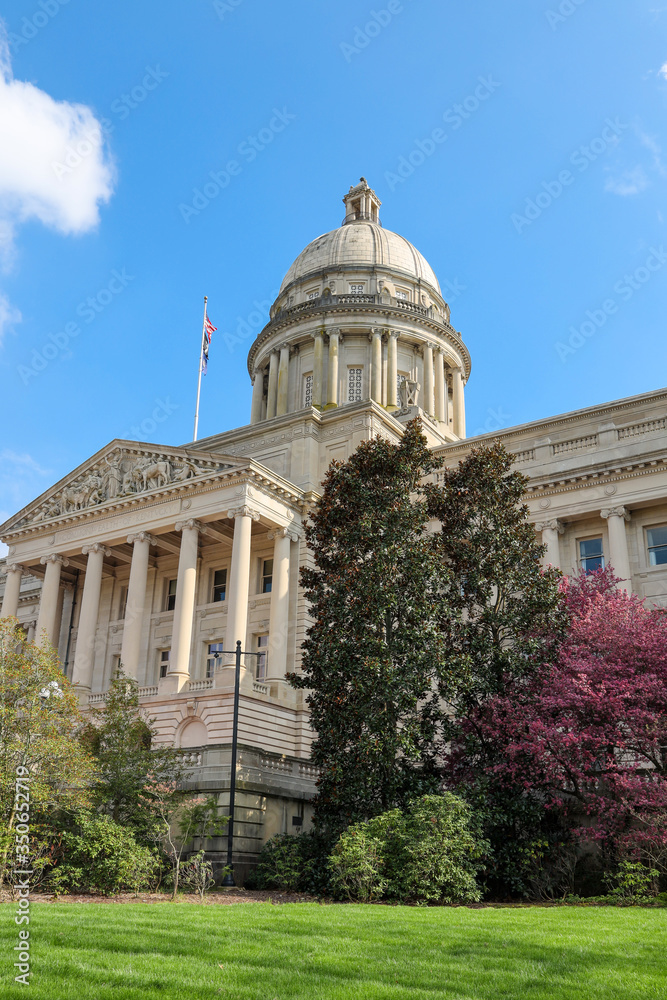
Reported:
(228, 881)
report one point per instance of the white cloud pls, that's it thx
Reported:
(663, 71)
(8, 315)
(628, 183)
(53, 162)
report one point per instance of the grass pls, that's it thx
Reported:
(263, 952)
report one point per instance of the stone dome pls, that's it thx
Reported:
(364, 244)
(361, 242)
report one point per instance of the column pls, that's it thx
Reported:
(84, 655)
(618, 545)
(10, 601)
(392, 371)
(257, 397)
(135, 606)
(283, 380)
(440, 393)
(239, 577)
(318, 369)
(279, 614)
(272, 392)
(48, 604)
(550, 532)
(178, 673)
(458, 403)
(332, 379)
(427, 405)
(376, 365)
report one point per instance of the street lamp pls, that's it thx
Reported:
(228, 881)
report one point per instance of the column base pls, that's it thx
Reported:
(173, 683)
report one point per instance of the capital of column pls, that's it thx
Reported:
(142, 536)
(15, 568)
(376, 331)
(243, 511)
(96, 547)
(290, 533)
(54, 558)
(190, 523)
(615, 512)
(554, 525)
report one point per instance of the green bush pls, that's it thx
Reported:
(427, 854)
(294, 863)
(632, 882)
(102, 856)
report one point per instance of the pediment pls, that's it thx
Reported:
(119, 473)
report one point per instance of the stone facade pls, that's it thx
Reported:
(162, 557)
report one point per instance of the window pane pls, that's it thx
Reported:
(657, 546)
(308, 390)
(262, 644)
(219, 584)
(267, 576)
(354, 377)
(590, 554)
(171, 595)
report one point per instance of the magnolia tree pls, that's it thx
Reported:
(588, 732)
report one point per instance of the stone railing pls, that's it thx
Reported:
(523, 456)
(148, 692)
(575, 444)
(260, 688)
(309, 771)
(204, 685)
(325, 301)
(191, 758)
(644, 428)
(97, 699)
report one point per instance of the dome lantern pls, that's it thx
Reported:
(361, 204)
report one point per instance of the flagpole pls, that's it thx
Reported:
(201, 356)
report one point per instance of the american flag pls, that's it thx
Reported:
(209, 330)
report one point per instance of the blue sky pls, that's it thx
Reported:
(541, 209)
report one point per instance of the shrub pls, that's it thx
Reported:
(632, 882)
(427, 854)
(103, 857)
(197, 874)
(281, 864)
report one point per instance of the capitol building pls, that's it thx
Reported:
(161, 558)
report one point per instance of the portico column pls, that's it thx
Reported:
(279, 614)
(84, 655)
(318, 369)
(332, 379)
(428, 378)
(272, 392)
(257, 397)
(48, 604)
(239, 576)
(10, 600)
(618, 545)
(550, 532)
(392, 371)
(440, 394)
(178, 673)
(376, 365)
(283, 380)
(458, 403)
(135, 605)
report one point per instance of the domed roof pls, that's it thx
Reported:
(361, 242)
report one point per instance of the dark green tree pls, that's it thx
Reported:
(375, 644)
(130, 763)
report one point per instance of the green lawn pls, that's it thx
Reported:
(262, 952)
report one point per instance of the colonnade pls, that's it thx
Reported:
(619, 558)
(137, 603)
(434, 396)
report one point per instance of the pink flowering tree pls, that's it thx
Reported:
(587, 734)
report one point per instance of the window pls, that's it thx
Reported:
(262, 649)
(354, 378)
(171, 595)
(219, 584)
(115, 666)
(657, 546)
(122, 602)
(357, 289)
(164, 661)
(313, 295)
(403, 296)
(590, 554)
(267, 576)
(308, 390)
(213, 657)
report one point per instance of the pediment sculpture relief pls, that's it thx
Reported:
(120, 474)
